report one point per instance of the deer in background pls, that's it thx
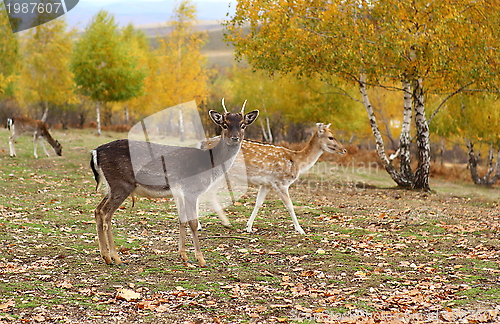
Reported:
(182, 172)
(275, 167)
(22, 125)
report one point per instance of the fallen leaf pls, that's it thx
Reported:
(64, 284)
(127, 294)
(10, 303)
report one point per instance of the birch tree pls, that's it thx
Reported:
(411, 47)
(105, 69)
(9, 52)
(45, 76)
(182, 75)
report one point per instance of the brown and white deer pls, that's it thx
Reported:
(154, 170)
(22, 125)
(275, 167)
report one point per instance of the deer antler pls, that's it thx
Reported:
(224, 106)
(243, 108)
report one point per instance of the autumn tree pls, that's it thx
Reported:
(181, 72)
(9, 52)
(105, 69)
(411, 47)
(147, 102)
(286, 98)
(45, 76)
(475, 120)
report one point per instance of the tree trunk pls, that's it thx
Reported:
(45, 112)
(404, 138)
(493, 173)
(98, 116)
(423, 146)
(379, 141)
(181, 125)
(127, 116)
(266, 131)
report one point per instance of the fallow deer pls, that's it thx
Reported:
(275, 167)
(154, 170)
(21, 125)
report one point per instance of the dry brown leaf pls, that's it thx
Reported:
(64, 284)
(127, 294)
(10, 303)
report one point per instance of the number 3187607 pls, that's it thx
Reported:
(33, 8)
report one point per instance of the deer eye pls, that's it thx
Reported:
(330, 138)
(243, 126)
(224, 126)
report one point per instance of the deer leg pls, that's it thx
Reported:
(191, 208)
(115, 202)
(179, 201)
(193, 224)
(182, 242)
(104, 214)
(103, 241)
(43, 146)
(261, 195)
(285, 196)
(11, 145)
(35, 142)
(212, 196)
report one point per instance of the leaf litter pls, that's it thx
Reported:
(370, 256)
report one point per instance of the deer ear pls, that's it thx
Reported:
(216, 117)
(321, 128)
(251, 117)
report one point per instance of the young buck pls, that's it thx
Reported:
(21, 125)
(154, 170)
(275, 167)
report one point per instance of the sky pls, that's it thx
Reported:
(140, 12)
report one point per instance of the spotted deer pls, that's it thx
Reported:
(22, 125)
(275, 167)
(129, 168)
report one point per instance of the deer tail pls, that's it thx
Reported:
(95, 168)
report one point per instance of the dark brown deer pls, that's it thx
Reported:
(22, 125)
(154, 170)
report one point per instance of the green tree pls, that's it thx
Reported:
(105, 69)
(45, 76)
(439, 47)
(146, 103)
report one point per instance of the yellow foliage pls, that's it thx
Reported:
(45, 75)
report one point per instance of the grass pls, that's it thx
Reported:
(381, 247)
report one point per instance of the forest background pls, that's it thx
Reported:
(297, 64)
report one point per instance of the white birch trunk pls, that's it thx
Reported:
(404, 138)
(98, 117)
(45, 112)
(423, 145)
(379, 141)
(493, 173)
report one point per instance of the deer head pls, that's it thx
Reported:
(58, 148)
(327, 141)
(233, 125)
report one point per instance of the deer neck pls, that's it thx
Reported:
(223, 153)
(306, 157)
(45, 133)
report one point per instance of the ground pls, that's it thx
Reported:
(372, 253)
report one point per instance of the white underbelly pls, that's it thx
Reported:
(151, 193)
